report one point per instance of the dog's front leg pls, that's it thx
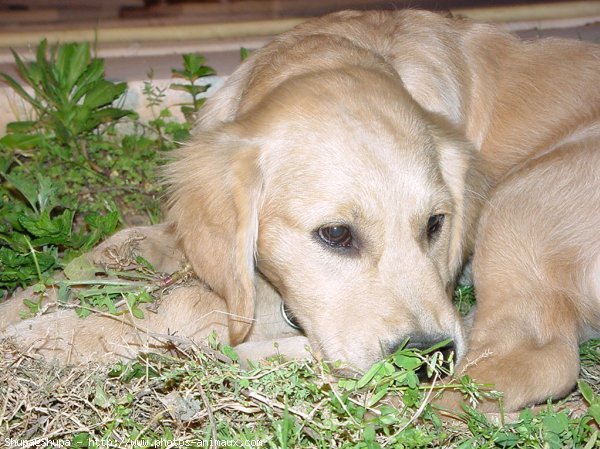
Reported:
(186, 314)
(535, 271)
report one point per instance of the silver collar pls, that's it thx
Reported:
(285, 313)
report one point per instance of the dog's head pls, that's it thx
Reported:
(351, 201)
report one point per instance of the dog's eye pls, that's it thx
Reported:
(339, 236)
(434, 226)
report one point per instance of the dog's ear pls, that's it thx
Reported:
(460, 168)
(214, 195)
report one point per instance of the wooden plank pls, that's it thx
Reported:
(239, 10)
(235, 11)
(149, 32)
(27, 17)
(517, 13)
(81, 4)
(184, 28)
(46, 16)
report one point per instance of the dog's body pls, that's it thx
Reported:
(349, 161)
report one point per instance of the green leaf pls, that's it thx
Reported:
(194, 68)
(586, 392)
(187, 111)
(369, 437)
(594, 412)
(92, 75)
(556, 424)
(407, 361)
(112, 114)
(46, 195)
(30, 72)
(378, 396)
(40, 54)
(411, 395)
(104, 115)
(471, 443)
(137, 312)
(230, 352)
(22, 141)
(180, 73)
(62, 65)
(22, 126)
(34, 306)
(198, 102)
(80, 269)
(25, 187)
(49, 230)
(592, 442)
(552, 441)
(104, 290)
(20, 91)
(193, 90)
(71, 63)
(412, 380)
(192, 62)
(18, 268)
(526, 415)
(506, 439)
(81, 441)
(369, 375)
(101, 399)
(135, 298)
(103, 93)
(48, 87)
(180, 87)
(105, 302)
(83, 311)
(347, 384)
(244, 53)
(64, 291)
(17, 240)
(100, 226)
(144, 263)
(205, 71)
(440, 345)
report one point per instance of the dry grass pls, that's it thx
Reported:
(197, 397)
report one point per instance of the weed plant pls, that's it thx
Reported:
(70, 174)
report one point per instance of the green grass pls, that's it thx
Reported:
(74, 172)
(70, 174)
(199, 394)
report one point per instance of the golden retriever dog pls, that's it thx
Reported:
(354, 164)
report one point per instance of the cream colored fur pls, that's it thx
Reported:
(378, 121)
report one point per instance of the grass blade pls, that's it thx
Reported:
(20, 91)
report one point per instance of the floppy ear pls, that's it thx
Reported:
(460, 168)
(215, 189)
